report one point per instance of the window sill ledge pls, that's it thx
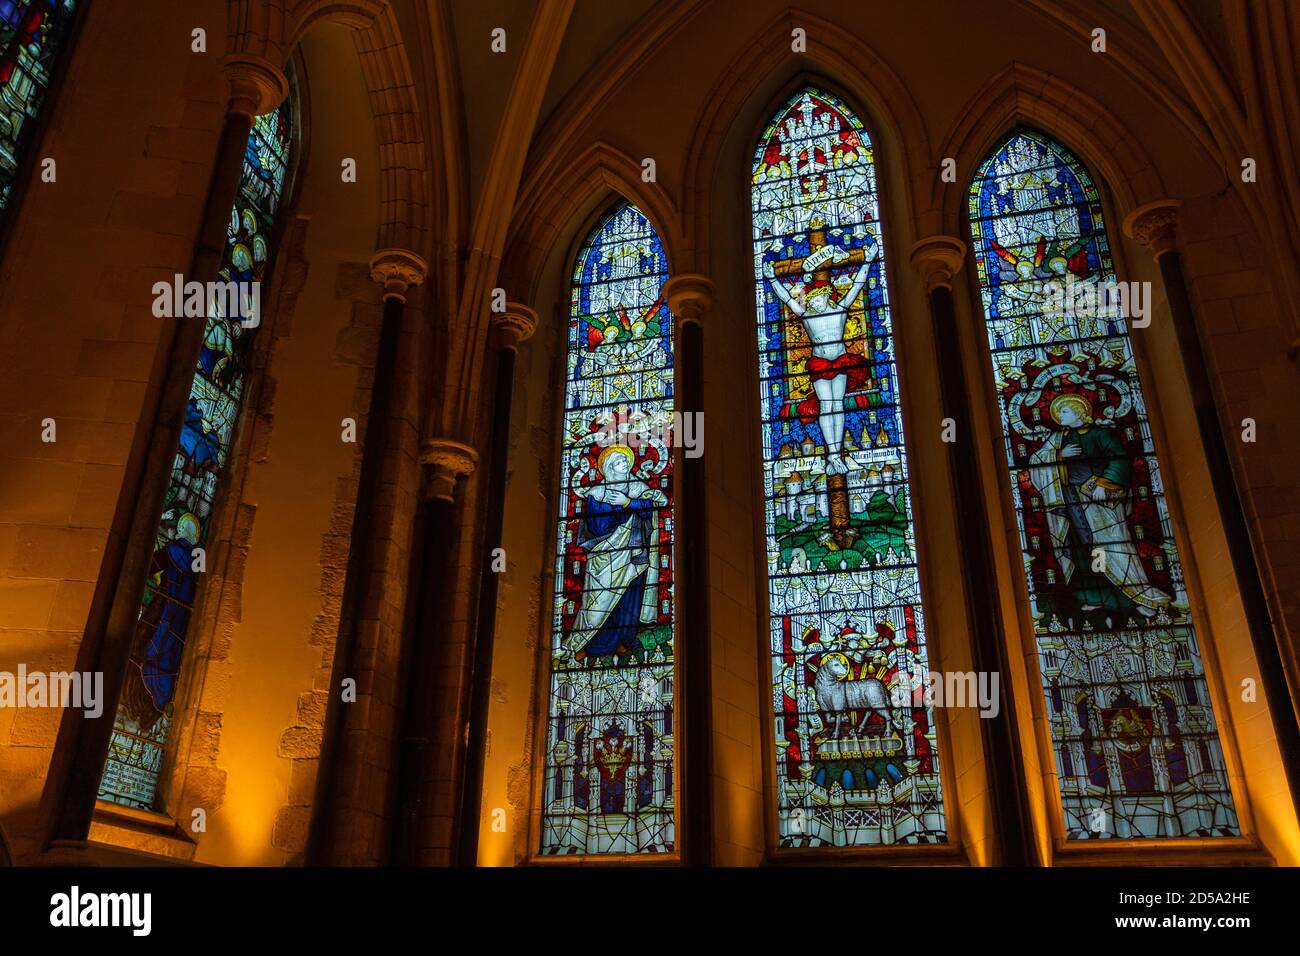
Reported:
(1242, 851)
(121, 836)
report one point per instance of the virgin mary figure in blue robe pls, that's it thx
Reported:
(619, 533)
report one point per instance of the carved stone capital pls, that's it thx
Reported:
(448, 461)
(257, 85)
(937, 259)
(1155, 225)
(689, 296)
(397, 270)
(516, 324)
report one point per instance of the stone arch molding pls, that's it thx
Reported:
(854, 69)
(1022, 95)
(269, 30)
(547, 212)
(858, 71)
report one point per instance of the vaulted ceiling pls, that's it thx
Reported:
(598, 29)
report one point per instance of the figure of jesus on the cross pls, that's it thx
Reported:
(835, 370)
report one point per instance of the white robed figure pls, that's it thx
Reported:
(619, 531)
(1083, 474)
(823, 307)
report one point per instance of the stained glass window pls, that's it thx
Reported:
(145, 709)
(609, 784)
(33, 34)
(856, 755)
(1134, 734)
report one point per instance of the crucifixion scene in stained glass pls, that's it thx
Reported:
(856, 750)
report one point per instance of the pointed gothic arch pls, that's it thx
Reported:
(271, 32)
(1113, 625)
(1022, 95)
(866, 79)
(856, 742)
(608, 782)
(589, 183)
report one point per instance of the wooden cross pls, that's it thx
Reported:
(820, 262)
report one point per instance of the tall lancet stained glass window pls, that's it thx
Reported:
(145, 709)
(1136, 743)
(609, 782)
(856, 754)
(33, 34)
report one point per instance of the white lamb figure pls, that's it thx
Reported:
(838, 695)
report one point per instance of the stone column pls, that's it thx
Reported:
(257, 86)
(347, 804)
(938, 259)
(516, 324)
(1155, 226)
(449, 462)
(690, 297)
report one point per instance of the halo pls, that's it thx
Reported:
(188, 519)
(1070, 398)
(615, 449)
(848, 664)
